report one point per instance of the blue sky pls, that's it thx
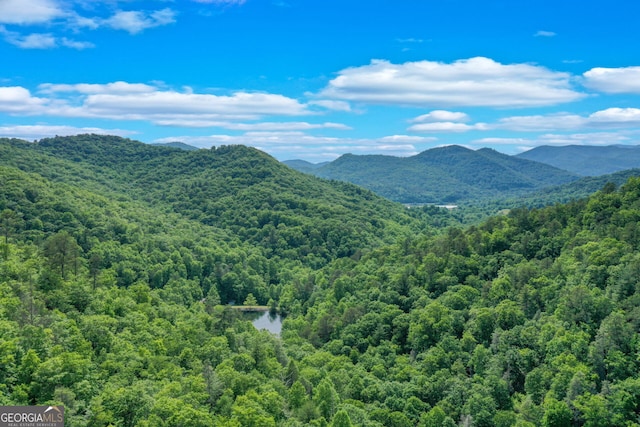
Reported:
(314, 80)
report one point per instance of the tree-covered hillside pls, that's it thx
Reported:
(115, 259)
(529, 319)
(451, 174)
(237, 189)
(587, 160)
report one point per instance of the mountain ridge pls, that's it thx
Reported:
(587, 160)
(450, 174)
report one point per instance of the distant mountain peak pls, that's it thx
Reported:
(177, 144)
(587, 160)
(447, 174)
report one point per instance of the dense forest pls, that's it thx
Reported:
(117, 261)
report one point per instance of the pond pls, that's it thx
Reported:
(272, 322)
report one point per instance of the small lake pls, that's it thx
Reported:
(272, 322)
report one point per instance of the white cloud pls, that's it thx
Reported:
(119, 87)
(610, 118)
(130, 101)
(613, 80)
(445, 127)
(30, 132)
(18, 100)
(262, 126)
(31, 41)
(615, 117)
(289, 145)
(332, 105)
(441, 116)
(41, 41)
(74, 44)
(594, 138)
(471, 82)
(135, 22)
(444, 121)
(543, 33)
(540, 123)
(501, 141)
(24, 12)
(171, 104)
(408, 139)
(284, 126)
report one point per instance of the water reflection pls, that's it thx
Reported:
(272, 322)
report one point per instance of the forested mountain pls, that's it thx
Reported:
(451, 174)
(237, 189)
(180, 145)
(473, 212)
(303, 165)
(116, 256)
(587, 160)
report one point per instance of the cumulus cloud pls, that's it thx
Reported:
(610, 118)
(75, 44)
(543, 33)
(470, 82)
(613, 80)
(443, 121)
(136, 21)
(18, 100)
(441, 116)
(332, 105)
(137, 101)
(118, 87)
(41, 41)
(614, 117)
(30, 41)
(41, 12)
(24, 12)
(167, 104)
(540, 123)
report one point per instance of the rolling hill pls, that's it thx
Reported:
(587, 160)
(117, 260)
(238, 193)
(451, 174)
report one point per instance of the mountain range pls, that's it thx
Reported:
(451, 174)
(454, 174)
(587, 160)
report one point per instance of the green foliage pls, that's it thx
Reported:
(115, 261)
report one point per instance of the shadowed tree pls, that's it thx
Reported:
(62, 251)
(9, 222)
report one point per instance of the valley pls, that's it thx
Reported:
(119, 261)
